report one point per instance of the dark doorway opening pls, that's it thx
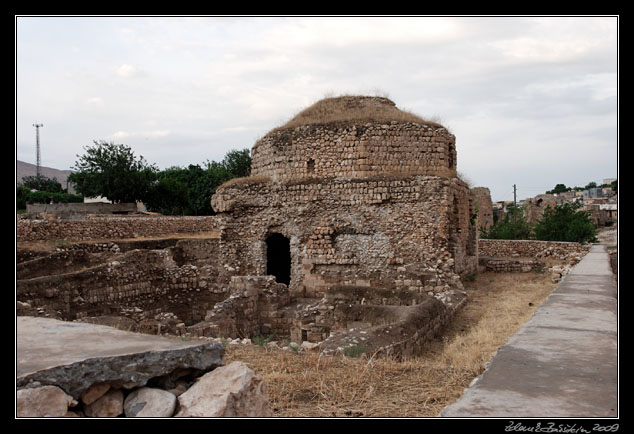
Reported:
(278, 258)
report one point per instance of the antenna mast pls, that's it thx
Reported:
(37, 142)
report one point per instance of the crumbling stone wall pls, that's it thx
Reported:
(139, 284)
(534, 207)
(532, 249)
(353, 231)
(100, 227)
(255, 307)
(510, 265)
(484, 206)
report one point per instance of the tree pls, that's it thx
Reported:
(112, 171)
(168, 196)
(187, 191)
(238, 163)
(565, 222)
(590, 185)
(514, 226)
(42, 183)
(559, 188)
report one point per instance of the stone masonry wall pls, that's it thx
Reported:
(372, 232)
(349, 150)
(100, 227)
(531, 248)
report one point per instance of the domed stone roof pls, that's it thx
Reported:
(354, 109)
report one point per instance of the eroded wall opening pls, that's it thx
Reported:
(278, 258)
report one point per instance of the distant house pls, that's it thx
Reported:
(593, 193)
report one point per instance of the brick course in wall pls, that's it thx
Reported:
(355, 150)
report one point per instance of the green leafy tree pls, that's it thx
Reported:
(21, 194)
(559, 188)
(238, 162)
(42, 183)
(590, 185)
(513, 226)
(168, 196)
(114, 172)
(565, 222)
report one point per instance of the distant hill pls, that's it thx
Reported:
(23, 169)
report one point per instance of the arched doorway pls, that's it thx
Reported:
(278, 258)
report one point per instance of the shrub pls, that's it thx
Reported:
(49, 197)
(354, 351)
(513, 227)
(565, 223)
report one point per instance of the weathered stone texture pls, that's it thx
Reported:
(149, 402)
(484, 206)
(532, 249)
(44, 401)
(352, 231)
(139, 284)
(100, 227)
(509, 265)
(355, 150)
(229, 391)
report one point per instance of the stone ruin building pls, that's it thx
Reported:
(353, 203)
(352, 229)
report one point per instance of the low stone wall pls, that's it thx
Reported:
(79, 210)
(510, 265)
(531, 249)
(101, 227)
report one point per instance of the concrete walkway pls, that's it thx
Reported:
(563, 361)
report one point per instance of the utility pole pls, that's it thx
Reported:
(37, 142)
(514, 203)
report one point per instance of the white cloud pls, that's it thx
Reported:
(95, 101)
(127, 71)
(120, 135)
(155, 134)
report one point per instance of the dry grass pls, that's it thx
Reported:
(310, 385)
(244, 181)
(354, 108)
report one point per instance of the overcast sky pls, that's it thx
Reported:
(532, 101)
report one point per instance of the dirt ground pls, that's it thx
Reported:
(305, 384)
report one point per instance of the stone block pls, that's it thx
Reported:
(230, 391)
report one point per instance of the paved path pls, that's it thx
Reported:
(563, 361)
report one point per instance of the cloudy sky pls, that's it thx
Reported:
(532, 101)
